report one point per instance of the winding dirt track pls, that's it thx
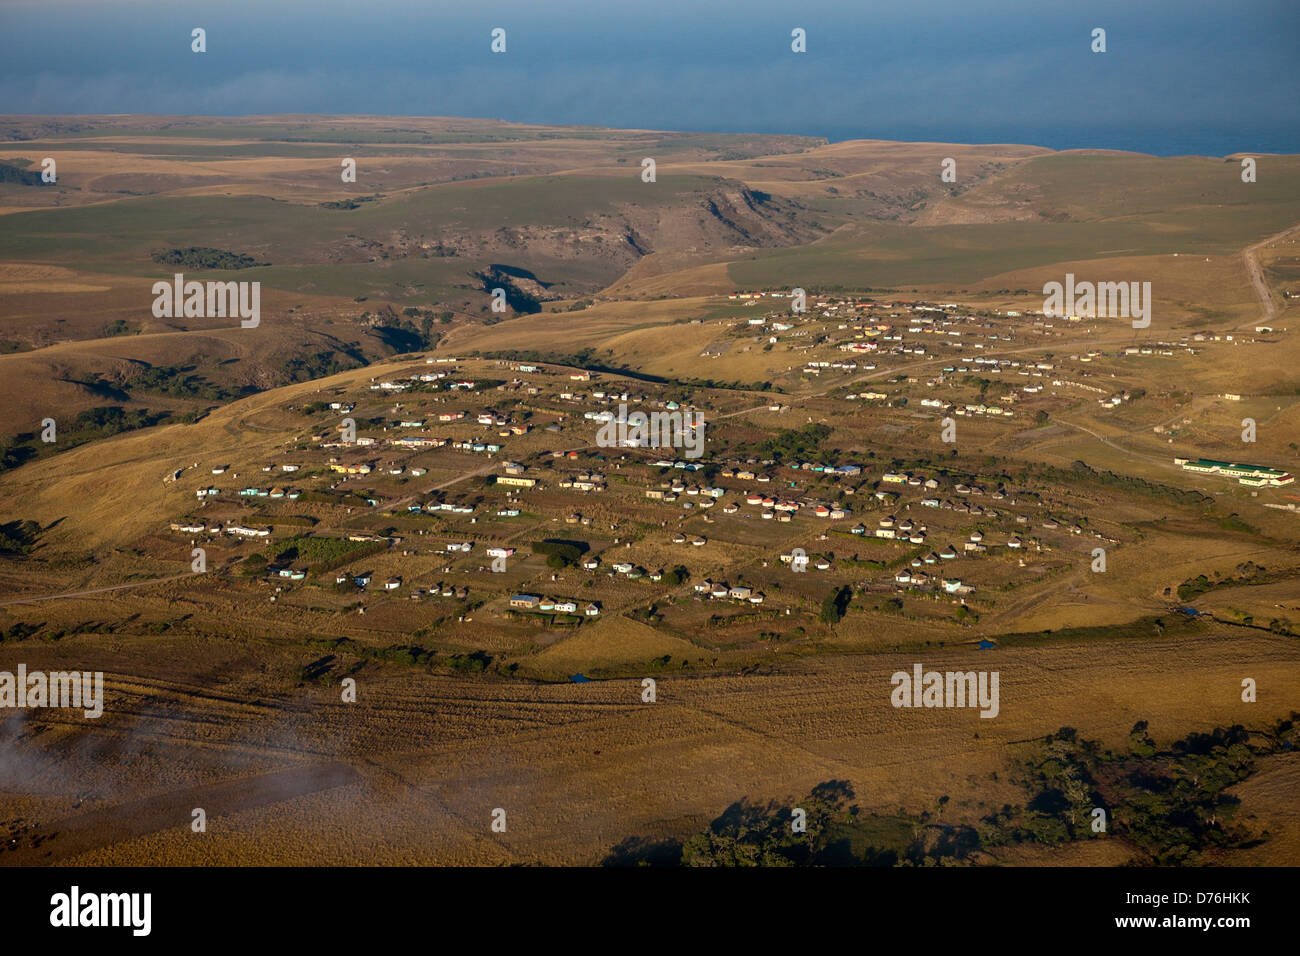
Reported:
(1256, 273)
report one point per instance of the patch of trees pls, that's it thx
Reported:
(181, 381)
(205, 257)
(350, 203)
(1170, 806)
(677, 576)
(17, 449)
(791, 443)
(731, 385)
(836, 604)
(892, 605)
(101, 388)
(18, 536)
(1139, 485)
(1248, 572)
(317, 671)
(560, 553)
(408, 655)
(321, 364)
(324, 554)
(119, 327)
(19, 631)
(832, 831)
(646, 615)
(473, 663)
(1081, 471)
(87, 425)
(110, 420)
(1234, 522)
(403, 334)
(12, 173)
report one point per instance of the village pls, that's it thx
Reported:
(486, 486)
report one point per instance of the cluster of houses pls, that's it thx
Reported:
(815, 368)
(912, 328)
(362, 581)
(416, 378)
(892, 529)
(237, 530)
(545, 605)
(432, 507)
(679, 465)
(914, 532)
(721, 591)
(584, 481)
(980, 408)
(920, 581)
(848, 471)
(817, 561)
(1164, 348)
(409, 442)
(633, 572)
(746, 474)
(697, 541)
(253, 492)
(477, 447)
(440, 590)
(904, 327)
(671, 491)
(701, 494)
(872, 332)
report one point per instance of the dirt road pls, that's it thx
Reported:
(1256, 274)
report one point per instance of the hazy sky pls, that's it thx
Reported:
(1177, 77)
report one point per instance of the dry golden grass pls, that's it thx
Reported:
(580, 767)
(610, 642)
(1188, 290)
(1268, 804)
(72, 491)
(664, 274)
(25, 277)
